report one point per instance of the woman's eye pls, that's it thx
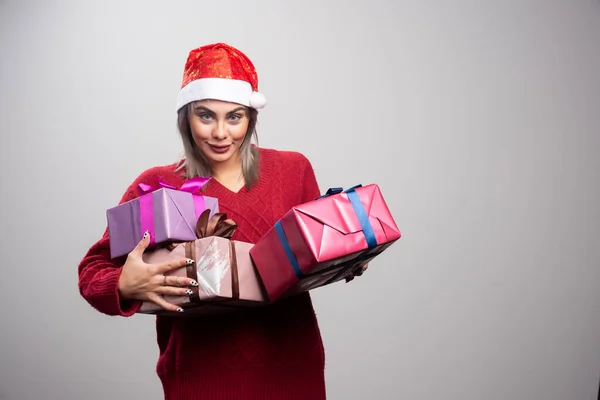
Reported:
(235, 117)
(205, 116)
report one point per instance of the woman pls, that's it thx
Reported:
(274, 352)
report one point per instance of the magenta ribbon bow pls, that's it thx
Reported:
(191, 185)
(146, 204)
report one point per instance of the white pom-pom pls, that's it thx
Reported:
(257, 100)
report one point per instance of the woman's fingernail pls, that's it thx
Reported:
(145, 234)
(189, 292)
(189, 262)
(180, 310)
(194, 283)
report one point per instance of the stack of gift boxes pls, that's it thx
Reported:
(313, 245)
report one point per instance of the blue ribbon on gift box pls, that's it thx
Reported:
(360, 212)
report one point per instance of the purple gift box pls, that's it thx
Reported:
(167, 213)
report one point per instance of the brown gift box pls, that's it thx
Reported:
(226, 276)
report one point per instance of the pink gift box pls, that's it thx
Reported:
(323, 241)
(227, 279)
(168, 213)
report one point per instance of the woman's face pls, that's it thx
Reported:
(218, 129)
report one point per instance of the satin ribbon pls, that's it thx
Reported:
(147, 206)
(191, 185)
(360, 212)
(217, 225)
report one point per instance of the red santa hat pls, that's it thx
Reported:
(220, 72)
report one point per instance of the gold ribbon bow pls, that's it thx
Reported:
(217, 225)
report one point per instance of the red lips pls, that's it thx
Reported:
(219, 149)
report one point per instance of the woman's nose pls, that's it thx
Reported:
(220, 131)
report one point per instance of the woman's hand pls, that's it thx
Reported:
(147, 282)
(358, 272)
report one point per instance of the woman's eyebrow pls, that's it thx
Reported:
(202, 108)
(236, 110)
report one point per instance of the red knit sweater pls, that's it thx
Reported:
(274, 352)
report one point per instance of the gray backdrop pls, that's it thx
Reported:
(480, 121)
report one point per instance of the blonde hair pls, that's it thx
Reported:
(194, 162)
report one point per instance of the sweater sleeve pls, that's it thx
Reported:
(99, 275)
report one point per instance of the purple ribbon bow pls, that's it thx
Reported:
(191, 185)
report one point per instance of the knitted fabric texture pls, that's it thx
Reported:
(270, 353)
